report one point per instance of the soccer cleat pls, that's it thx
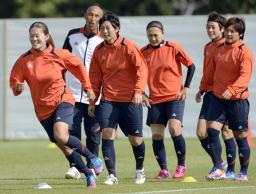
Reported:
(97, 165)
(72, 173)
(179, 172)
(216, 174)
(163, 174)
(111, 180)
(140, 176)
(241, 177)
(91, 180)
(230, 175)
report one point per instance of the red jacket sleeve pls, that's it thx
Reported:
(142, 70)
(75, 66)
(96, 76)
(17, 76)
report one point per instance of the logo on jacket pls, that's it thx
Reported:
(29, 65)
(103, 58)
(76, 43)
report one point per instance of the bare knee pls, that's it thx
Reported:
(108, 133)
(135, 140)
(226, 133)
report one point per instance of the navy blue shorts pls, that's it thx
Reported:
(234, 111)
(126, 114)
(162, 112)
(63, 113)
(205, 106)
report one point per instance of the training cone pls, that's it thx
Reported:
(51, 145)
(43, 186)
(189, 179)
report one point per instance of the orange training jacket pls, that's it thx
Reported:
(165, 71)
(44, 73)
(208, 70)
(233, 70)
(119, 69)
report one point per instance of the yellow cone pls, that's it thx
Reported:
(189, 179)
(52, 145)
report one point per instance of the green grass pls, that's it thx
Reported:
(23, 164)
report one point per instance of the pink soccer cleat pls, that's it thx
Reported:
(179, 172)
(163, 174)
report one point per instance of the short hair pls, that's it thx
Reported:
(112, 18)
(238, 24)
(156, 24)
(216, 17)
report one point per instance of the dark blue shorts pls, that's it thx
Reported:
(234, 111)
(63, 113)
(205, 106)
(126, 114)
(162, 112)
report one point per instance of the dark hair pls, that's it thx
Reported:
(216, 17)
(45, 30)
(112, 18)
(238, 24)
(156, 24)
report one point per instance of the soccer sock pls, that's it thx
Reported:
(244, 153)
(75, 160)
(206, 145)
(180, 149)
(231, 153)
(215, 147)
(93, 144)
(139, 154)
(75, 143)
(109, 155)
(160, 154)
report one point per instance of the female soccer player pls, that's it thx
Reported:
(215, 31)
(167, 94)
(119, 70)
(43, 67)
(233, 64)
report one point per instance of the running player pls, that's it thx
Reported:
(43, 67)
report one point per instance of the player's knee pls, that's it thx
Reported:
(157, 136)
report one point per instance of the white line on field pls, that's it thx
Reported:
(194, 189)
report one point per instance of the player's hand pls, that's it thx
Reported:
(91, 109)
(137, 99)
(226, 95)
(198, 97)
(183, 94)
(146, 101)
(19, 87)
(91, 96)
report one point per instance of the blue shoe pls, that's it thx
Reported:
(91, 180)
(241, 177)
(97, 165)
(230, 175)
(216, 174)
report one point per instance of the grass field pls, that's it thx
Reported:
(23, 164)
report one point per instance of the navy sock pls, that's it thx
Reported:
(180, 149)
(206, 145)
(109, 155)
(139, 154)
(215, 147)
(160, 154)
(244, 153)
(75, 143)
(231, 153)
(75, 160)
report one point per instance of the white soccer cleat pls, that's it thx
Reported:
(73, 173)
(140, 176)
(111, 180)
